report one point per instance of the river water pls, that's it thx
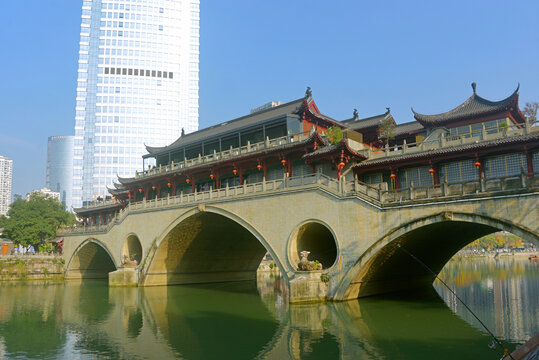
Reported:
(248, 320)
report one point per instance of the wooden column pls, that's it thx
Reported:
(529, 162)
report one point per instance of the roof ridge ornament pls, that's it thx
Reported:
(388, 110)
(356, 114)
(474, 87)
(308, 92)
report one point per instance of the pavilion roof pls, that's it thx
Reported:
(236, 124)
(368, 122)
(408, 128)
(474, 106)
(337, 148)
(459, 149)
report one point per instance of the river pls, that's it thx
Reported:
(249, 320)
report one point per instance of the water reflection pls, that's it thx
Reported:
(248, 320)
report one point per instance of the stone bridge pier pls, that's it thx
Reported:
(353, 236)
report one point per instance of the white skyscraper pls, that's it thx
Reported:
(137, 83)
(6, 175)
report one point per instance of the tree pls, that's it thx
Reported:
(334, 134)
(3, 220)
(530, 110)
(34, 221)
(386, 130)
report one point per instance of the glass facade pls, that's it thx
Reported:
(137, 84)
(60, 167)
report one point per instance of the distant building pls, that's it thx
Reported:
(45, 191)
(60, 167)
(6, 175)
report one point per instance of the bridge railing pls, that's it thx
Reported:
(445, 140)
(378, 193)
(224, 154)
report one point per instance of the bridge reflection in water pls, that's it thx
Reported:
(242, 320)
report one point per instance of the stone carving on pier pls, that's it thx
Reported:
(306, 265)
(126, 262)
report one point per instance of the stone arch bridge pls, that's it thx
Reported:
(351, 228)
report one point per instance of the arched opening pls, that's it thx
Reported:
(205, 247)
(395, 262)
(91, 261)
(318, 240)
(132, 249)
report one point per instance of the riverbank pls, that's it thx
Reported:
(494, 255)
(31, 267)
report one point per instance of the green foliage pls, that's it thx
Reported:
(335, 134)
(271, 265)
(324, 278)
(386, 129)
(46, 248)
(3, 220)
(36, 220)
(496, 241)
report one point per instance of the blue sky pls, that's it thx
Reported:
(353, 54)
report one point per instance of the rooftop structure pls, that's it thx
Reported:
(46, 192)
(60, 167)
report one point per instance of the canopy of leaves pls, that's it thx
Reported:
(335, 134)
(496, 240)
(386, 129)
(36, 220)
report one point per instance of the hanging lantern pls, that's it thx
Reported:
(259, 167)
(341, 164)
(477, 164)
(140, 190)
(283, 161)
(168, 184)
(431, 171)
(100, 216)
(393, 176)
(110, 215)
(187, 180)
(90, 218)
(235, 171)
(211, 176)
(153, 187)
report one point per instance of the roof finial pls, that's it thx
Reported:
(356, 115)
(183, 132)
(308, 92)
(474, 87)
(388, 110)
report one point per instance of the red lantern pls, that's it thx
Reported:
(234, 171)
(393, 176)
(187, 180)
(341, 165)
(168, 184)
(283, 161)
(110, 215)
(259, 167)
(431, 171)
(90, 218)
(477, 164)
(139, 190)
(153, 187)
(211, 176)
(100, 216)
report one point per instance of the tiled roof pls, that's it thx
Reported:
(341, 145)
(232, 125)
(475, 105)
(409, 127)
(366, 122)
(431, 154)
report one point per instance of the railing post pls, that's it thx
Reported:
(482, 183)
(404, 146)
(356, 185)
(380, 192)
(317, 177)
(483, 134)
(445, 187)
(226, 190)
(211, 193)
(264, 184)
(527, 126)
(266, 143)
(411, 191)
(523, 179)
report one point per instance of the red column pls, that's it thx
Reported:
(529, 163)
(193, 184)
(146, 192)
(240, 171)
(174, 185)
(265, 169)
(158, 191)
(217, 184)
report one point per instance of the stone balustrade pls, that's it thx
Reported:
(378, 194)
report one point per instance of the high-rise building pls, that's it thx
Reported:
(60, 167)
(137, 83)
(6, 175)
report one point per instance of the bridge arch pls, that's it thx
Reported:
(316, 237)
(92, 259)
(206, 244)
(434, 240)
(132, 248)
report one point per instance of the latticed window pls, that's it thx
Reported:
(373, 178)
(275, 172)
(504, 165)
(458, 171)
(535, 162)
(420, 176)
(299, 168)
